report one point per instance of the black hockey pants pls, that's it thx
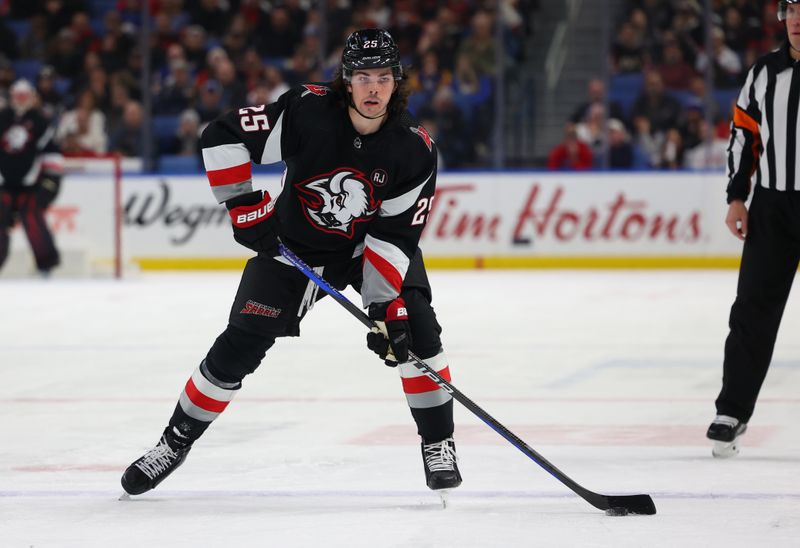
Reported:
(769, 263)
(24, 205)
(272, 300)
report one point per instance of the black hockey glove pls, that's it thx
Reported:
(392, 337)
(254, 224)
(47, 190)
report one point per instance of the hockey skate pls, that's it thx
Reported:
(154, 466)
(725, 432)
(441, 469)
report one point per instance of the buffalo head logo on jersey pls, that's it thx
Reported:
(16, 138)
(334, 202)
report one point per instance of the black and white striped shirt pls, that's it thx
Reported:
(764, 143)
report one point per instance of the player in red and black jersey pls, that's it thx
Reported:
(356, 194)
(30, 174)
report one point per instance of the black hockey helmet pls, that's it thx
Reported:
(782, 8)
(370, 48)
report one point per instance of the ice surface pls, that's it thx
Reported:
(611, 375)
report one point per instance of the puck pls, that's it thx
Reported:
(617, 511)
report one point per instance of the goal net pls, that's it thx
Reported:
(86, 221)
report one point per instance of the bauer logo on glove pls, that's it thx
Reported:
(391, 337)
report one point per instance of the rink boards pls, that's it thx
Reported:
(485, 219)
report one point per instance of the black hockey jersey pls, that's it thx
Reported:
(26, 148)
(343, 194)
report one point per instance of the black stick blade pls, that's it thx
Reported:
(634, 504)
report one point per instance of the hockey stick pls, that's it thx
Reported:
(612, 504)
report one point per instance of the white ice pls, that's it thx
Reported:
(611, 375)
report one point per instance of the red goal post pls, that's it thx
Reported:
(90, 202)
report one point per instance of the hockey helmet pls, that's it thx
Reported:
(370, 48)
(782, 4)
(22, 96)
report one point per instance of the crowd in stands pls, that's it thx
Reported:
(211, 56)
(661, 112)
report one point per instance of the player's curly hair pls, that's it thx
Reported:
(397, 104)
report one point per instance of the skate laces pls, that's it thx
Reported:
(158, 459)
(440, 456)
(726, 420)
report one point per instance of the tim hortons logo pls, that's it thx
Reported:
(621, 219)
(449, 219)
(543, 215)
(151, 208)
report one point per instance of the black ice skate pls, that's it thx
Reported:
(441, 470)
(154, 466)
(725, 432)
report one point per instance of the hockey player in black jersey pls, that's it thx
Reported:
(30, 175)
(355, 197)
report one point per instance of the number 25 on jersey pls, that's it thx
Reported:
(251, 121)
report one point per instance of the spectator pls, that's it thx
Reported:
(627, 52)
(592, 131)
(430, 76)
(194, 46)
(712, 154)
(177, 92)
(119, 96)
(675, 72)
(479, 46)
(234, 93)
(9, 41)
(209, 106)
(273, 79)
(188, 133)
(278, 37)
(571, 153)
(727, 65)
(82, 130)
(454, 140)
(34, 44)
(127, 140)
(51, 100)
(672, 150)
(662, 110)
(65, 56)
(620, 150)
(210, 15)
(596, 91)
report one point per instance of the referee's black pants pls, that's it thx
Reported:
(769, 262)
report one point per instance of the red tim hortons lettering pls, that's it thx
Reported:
(449, 219)
(621, 219)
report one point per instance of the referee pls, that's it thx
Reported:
(764, 147)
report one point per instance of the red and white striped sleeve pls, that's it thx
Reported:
(232, 142)
(393, 238)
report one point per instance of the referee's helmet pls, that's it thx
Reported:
(782, 4)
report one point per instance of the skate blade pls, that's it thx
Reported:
(124, 496)
(725, 450)
(443, 496)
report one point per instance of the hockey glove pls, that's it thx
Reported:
(392, 337)
(47, 190)
(254, 224)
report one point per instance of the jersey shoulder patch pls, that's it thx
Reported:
(314, 89)
(408, 123)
